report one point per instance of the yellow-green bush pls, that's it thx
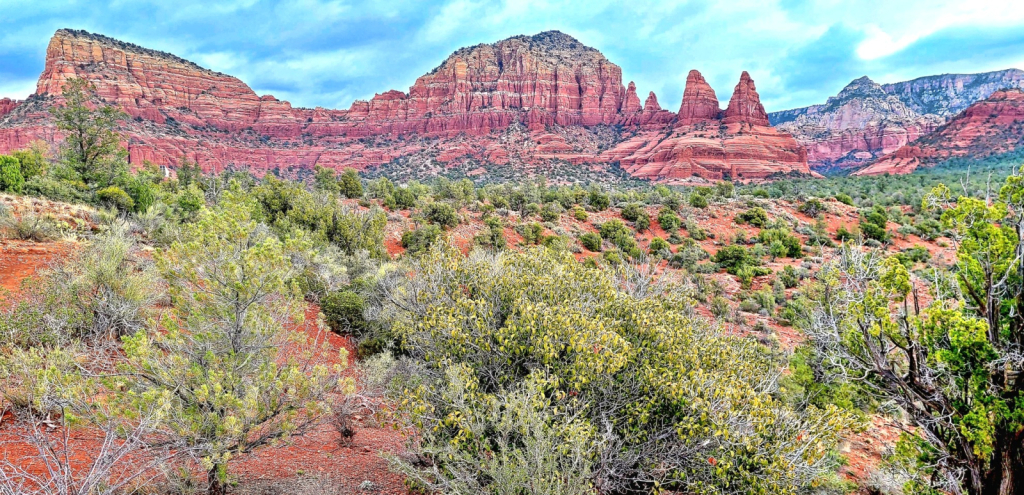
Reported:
(652, 396)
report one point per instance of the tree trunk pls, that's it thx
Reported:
(216, 486)
(1012, 462)
(1007, 467)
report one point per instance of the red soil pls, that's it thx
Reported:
(22, 259)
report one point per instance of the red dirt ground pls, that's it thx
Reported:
(22, 259)
(318, 454)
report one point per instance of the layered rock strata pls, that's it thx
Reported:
(549, 84)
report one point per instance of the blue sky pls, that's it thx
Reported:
(331, 52)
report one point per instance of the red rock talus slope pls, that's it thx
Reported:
(562, 92)
(992, 126)
(867, 120)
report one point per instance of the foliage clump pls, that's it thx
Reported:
(533, 370)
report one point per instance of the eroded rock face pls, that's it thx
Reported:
(558, 92)
(866, 120)
(7, 106)
(745, 104)
(699, 101)
(989, 127)
(631, 104)
(856, 126)
(709, 143)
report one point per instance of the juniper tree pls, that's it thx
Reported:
(218, 357)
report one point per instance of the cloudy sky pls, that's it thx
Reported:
(329, 53)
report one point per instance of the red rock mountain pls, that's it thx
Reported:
(521, 102)
(989, 127)
(866, 120)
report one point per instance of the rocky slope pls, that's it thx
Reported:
(561, 92)
(867, 120)
(989, 127)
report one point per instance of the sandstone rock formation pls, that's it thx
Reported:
(706, 142)
(699, 101)
(7, 106)
(745, 104)
(631, 104)
(989, 127)
(564, 100)
(866, 120)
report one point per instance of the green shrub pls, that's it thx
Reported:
(190, 201)
(844, 199)
(719, 306)
(28, 227)
(620, 235)
(591, 241)
(732, 257)
(442, 214)
(660, 246)
(843, 234)
(404, 198)
(917, 254)
(579, 214)
(725, 189)
(47, 186)
(612, 228)
(142, 192)
(533, 233)
(349, 184)
(551, 212)
(688, 256)
(32, 160)
(755, 216)
(419, 240)
(696, 232)
(812, 208)
(11, 178)
(612, 257)
(698, 201)
(494, 236)
(781, 243)
(788, 277)
(116, 197)
(343, 312)
(874, 225)
(749, 306)
(668, 219)
(598, 200)
(632, 212)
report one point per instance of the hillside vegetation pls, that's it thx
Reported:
(519, 338)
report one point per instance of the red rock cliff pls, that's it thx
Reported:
(562, 92)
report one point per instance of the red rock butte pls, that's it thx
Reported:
(560, 91)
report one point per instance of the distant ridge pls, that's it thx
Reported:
(866, 120)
